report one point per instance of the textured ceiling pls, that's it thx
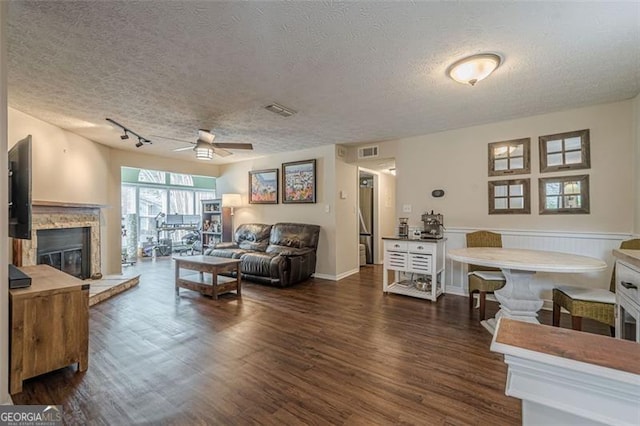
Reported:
(356, 72)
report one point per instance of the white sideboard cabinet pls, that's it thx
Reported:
(417, 267)
(627, 294)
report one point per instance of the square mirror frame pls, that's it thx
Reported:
(585, 156)
(526, 163)
(584, 194)
(526, 196)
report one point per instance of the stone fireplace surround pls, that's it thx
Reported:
(54, 215)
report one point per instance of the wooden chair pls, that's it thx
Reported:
(595, 303)
(482, 279)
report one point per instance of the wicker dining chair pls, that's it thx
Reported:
(482, 279)
(595, 303)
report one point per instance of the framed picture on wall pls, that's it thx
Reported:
(299, 182)
(263, 186)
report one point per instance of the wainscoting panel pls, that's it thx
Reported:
(598, 245)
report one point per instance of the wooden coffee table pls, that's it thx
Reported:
(210, 284)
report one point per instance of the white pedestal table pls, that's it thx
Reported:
(517, 300)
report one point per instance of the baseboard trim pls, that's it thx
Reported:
(337, 277)
(456, 290)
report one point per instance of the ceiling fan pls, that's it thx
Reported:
(205, 147)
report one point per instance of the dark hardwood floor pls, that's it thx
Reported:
(321, 352)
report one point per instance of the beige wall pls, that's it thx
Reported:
(636, 165)
(456, 161)
(66, 167)
(4, 250)
(332, 173)
(386, 211)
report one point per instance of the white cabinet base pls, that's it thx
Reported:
(414, 258)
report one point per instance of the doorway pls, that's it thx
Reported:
(366, 217)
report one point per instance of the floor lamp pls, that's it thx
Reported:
(232, 201)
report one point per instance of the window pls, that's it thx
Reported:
(151, 176)
(565, 151)
(509, 157)
(180, 202)
(152, 202)
(179, 179)
(566, 194)
(128, 198)
(509, 196)
(203, 195)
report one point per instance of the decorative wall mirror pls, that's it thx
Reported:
(564, 195)
(509, 157)
(509, 196)
(565, 151)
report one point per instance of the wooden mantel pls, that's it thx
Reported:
(46, 203)
(570, 377)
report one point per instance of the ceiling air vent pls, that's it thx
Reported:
(368, 152)
(280, 110)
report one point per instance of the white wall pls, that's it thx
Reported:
(456, 161)
(332, 173)
(4, 252)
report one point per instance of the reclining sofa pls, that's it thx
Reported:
(280, 255)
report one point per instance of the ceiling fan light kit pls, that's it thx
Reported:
(204, 150)
(125, 136)
(475, 68)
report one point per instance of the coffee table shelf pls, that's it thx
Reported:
(207, 280)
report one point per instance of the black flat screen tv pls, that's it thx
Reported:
(20, 190)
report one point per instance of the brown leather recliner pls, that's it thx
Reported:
(289, 258)
(248, 237)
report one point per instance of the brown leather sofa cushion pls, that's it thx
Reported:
(253, 236)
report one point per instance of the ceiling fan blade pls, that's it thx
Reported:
(182, 149)
(222, 152)
(171, 139)
(233, 145)
(206, 136)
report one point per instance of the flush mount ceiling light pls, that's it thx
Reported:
(473, 69)
(204, 150)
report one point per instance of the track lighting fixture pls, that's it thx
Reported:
(125, 136)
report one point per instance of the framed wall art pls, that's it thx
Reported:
(263, 186)
(299, 182)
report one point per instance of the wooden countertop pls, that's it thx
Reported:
(573, 345)
(46, 279)
(630, 256)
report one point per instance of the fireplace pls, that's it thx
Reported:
(67, 249)
(81, 257)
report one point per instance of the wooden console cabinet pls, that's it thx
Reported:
(49, 325)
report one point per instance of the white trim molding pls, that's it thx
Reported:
(593, 244)
(337, 277)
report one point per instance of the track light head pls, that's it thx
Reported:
(139, 143)
(125, 136)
